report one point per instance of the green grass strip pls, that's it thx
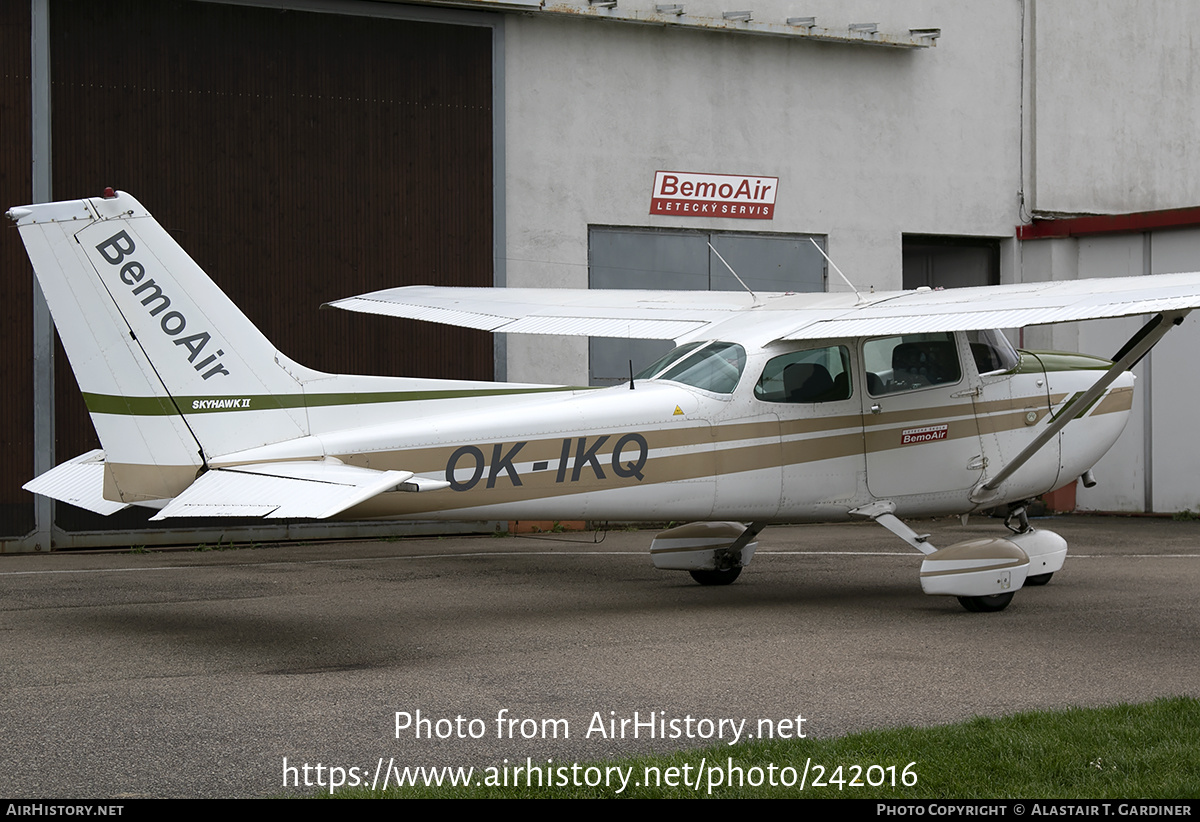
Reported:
(1147, 751)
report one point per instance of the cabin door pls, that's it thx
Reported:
(919, 428)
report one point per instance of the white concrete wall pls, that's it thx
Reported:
(1114, 92)
(868, 143)
(1174, 451)
(1122, 470)
(1115, 87)
(1154, 466)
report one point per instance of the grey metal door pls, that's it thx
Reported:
(681, 260)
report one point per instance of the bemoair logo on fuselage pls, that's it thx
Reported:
(115, 250)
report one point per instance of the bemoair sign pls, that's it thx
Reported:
(714, 195)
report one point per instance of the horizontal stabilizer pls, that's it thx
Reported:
(279, 490)
(80, 482)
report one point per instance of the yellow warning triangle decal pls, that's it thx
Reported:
(678, 411)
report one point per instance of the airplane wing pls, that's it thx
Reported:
(672, 314)
(657, 315)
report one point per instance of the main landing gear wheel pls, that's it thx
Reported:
(978, 605)
(1038, 579)
(717, 577)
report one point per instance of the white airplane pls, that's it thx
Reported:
(773, 408)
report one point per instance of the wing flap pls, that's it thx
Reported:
(279, 490)
(631, 328)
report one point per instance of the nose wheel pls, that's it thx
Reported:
(716, 577)
(989, 604)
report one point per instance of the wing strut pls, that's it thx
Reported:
(882, 512)
(1130, 354)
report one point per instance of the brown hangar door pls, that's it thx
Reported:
(298, 157)
(16, 328)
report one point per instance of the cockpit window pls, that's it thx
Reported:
(992, 352)
(810, 376)
(711, 366)
(910, 362)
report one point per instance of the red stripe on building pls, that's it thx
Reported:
(1044, 229)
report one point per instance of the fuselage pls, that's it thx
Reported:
(789, 432)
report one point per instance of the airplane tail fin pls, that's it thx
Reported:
(157, 348)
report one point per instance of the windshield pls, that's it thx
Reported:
(658, 366)
(711, 366)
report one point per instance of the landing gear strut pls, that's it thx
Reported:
(1017, 521)
(1018, 513)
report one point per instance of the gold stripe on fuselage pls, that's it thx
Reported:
(1117, 400)
(564, 465)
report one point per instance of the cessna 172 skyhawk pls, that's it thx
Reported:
(773, 407)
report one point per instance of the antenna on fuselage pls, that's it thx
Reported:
(835, 268)
(734, 273)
